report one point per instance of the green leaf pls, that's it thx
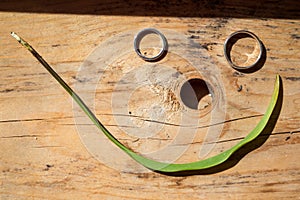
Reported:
(152, 164)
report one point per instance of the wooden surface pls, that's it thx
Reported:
(42, 156)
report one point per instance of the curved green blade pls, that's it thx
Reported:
(152, 164)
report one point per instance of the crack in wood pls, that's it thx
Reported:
(32, 120)
(172, 124)
(20, 120)
(239, 138)
(23, 136)
(205, 126)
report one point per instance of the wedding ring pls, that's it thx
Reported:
(230, 42)
(138, 38)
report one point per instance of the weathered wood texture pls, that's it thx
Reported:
(42, 156)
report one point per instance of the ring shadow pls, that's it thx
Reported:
(161, 56)
(235, 158)
(260, 63)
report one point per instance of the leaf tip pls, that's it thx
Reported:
(15, 36)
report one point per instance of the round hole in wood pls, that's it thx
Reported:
(195, 94)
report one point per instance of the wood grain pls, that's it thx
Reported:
(42, 156)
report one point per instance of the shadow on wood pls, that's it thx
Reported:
(285, 9)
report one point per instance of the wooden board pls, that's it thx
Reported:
(43, 157)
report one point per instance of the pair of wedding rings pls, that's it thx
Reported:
(227, 46)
